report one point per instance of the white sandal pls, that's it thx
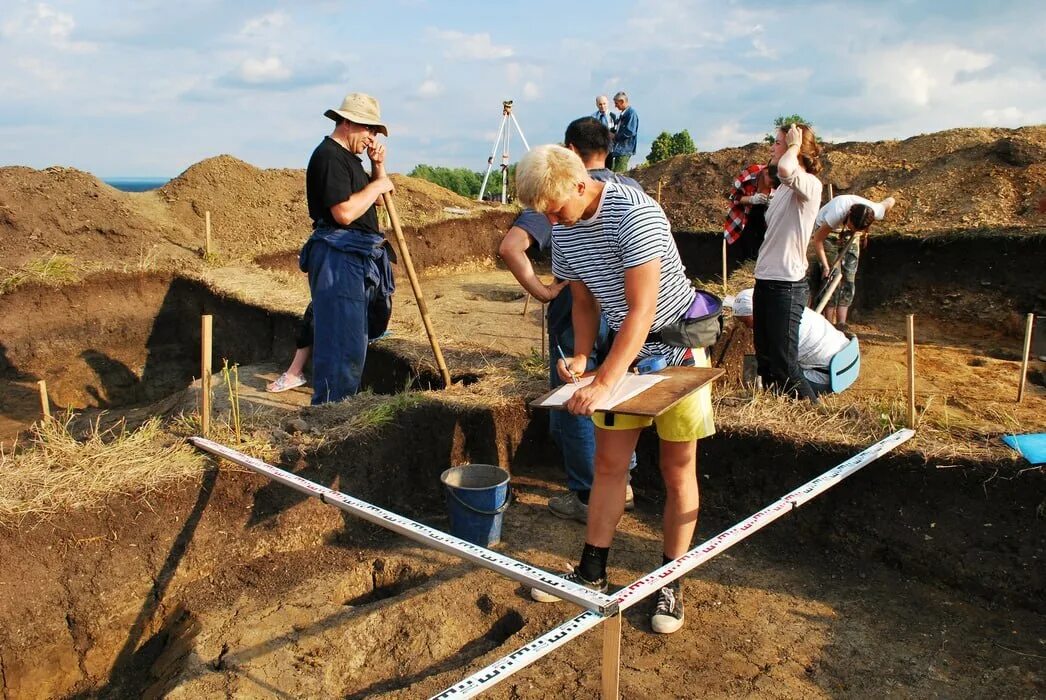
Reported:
(284, 382)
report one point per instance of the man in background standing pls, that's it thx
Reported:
(627, 133)
(608, 119)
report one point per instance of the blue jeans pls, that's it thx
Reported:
(777, 309)
(350, 278)
(575, 435)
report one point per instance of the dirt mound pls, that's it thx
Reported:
(956, 179)
(251, 209)
(253, 212)
(69, 212)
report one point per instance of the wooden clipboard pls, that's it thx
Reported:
(681, 382)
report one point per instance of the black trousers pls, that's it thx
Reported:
(777, 309)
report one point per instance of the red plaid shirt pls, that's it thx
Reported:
(744, 186)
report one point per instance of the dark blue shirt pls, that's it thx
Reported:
(627, 133)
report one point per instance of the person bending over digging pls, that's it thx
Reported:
(614, 245)
(847, 212)
(347, 257)
(575, 435)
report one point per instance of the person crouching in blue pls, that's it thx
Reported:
(347, 257)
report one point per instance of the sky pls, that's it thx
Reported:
(147, 88)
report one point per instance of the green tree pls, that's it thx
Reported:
(667, 145)
(461, 180)
(661, 148)
(784, 121)
(682, 143)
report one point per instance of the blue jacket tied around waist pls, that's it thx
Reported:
(350, 277)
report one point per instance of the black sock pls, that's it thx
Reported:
(583, 496)
(593, 566)
(664, 560)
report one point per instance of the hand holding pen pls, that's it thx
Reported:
(566, 364)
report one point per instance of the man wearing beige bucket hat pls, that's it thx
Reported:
(347, 257)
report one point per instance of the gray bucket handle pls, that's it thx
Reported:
(497, 511)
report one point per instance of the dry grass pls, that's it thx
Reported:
(856, 421)
(54, 270)
(58, 472)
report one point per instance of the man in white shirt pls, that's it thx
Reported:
(819, 340)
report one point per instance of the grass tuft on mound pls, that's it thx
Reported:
(58, 471)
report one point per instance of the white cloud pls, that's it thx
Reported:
(1007, 116)
(265, 70)
(469, 47)
(265, 24)
(916, 74)
(43, 21)
(531, 91)
(430, 88)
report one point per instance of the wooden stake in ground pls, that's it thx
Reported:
(401, 243)
(1027, 351)
(45, 403)
(659, 181)
(207, 230)
(526, 305)
(911, 371)
(611, 684)
(724, 268)
(831, 192)
(543, 343)
(206, 326)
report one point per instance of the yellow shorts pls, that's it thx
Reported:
(690, 419)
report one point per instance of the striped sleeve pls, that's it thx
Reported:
(561, 268)
(643, 235)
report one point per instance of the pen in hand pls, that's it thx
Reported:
(566, 365)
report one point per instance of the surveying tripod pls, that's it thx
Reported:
(506, 115)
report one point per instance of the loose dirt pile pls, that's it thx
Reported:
(68, 212)
(956, 179)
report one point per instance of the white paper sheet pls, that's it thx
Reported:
(631, 385)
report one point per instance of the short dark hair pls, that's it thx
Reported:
(861, 217)
(588, 136)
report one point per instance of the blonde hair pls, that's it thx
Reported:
(809, 149)
(547, 174)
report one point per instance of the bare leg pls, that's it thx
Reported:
(606, 502)
(301, 356)
(829, 313)
(841, 311)
(679, 471)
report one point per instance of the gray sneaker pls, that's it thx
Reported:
(570, 507)
(600, 586)
(668, 611)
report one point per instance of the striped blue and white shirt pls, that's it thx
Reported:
(627, 230)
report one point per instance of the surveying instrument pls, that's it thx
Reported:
(506, 115)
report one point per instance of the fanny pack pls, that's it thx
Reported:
(700, 326)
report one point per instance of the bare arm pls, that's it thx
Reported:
(641, 286)
(818, 242)
(513, 250)
(359, 202)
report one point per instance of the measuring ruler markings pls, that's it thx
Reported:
(507, 566)
(491, 675)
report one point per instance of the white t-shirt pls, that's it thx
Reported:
(627, 230)
(789, 226)
(835, 212)
(819, 341)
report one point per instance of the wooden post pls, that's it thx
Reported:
(611, 685)
(911, 371)
(831, 192)
(1027, 351)
(724, 268)
(543, 343)
(401, 242)
(45, 403)
(526, 305)
(659, 181)
(206, 325)
(207, 229)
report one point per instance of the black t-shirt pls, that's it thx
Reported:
(335, 174)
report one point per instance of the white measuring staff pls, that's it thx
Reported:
(487, 677)
(507, 566)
